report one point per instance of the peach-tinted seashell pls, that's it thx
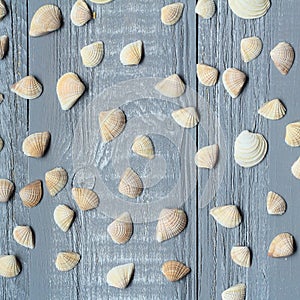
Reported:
(63, 217)
(283, 56)
(241, 256)
(174, 270)
(272, 110)
(171, 14)
(27, 88)
(6, 190)
(80, 13)
(234, 81)
(3, 46)
(23, 235)
(207, 157)
(86, 199)
(186, 117)
(276, 205)
(36, 144)
(9, 266)
(130, 184)
(131, 54)
(66, 261)
(207, 75)
(236, 292)
(282, 245)
(32, 193)
(171, 87)
(250, 48)
(120, 276)
(227, 216)
(205, 8)
(56, 179)
(92, 54)
(143, 146)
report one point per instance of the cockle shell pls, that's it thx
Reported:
(130, 184)
(45, 20)
(32, 193)
(101, 1)
(170, 14)
(174, 270)
(276, 205)
(23, 235)
(6, 190)
(143, 146)
(282, 245)
(80, 13)
(63, 217)
(3, 46)
(170, 223)
(207, 75)
(207, 157)
(120, 230)
(241, 256)
(69, 89)
(36, 144)
(249, 9)
(205, 8)
(131, 54)
(9, 266)
(171, 86)
(92, 54)
(186, 117)
(1, 144)
(296, 168)
(249, 149)
(272, 110)
(27, 88)
(112, 123)
(250, 48)
(236, 292)
(56, 179)
(86, 199)
(1, 98)
(120, 276)
(66, 261)
(3, 10)
(233, 80)
(227, 216)
(283, 56)
(292, 134)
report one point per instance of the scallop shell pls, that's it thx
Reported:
(296, 168)
(236, 292)
(207, 75)
(112, 123)
(27, 88)
(131, 54)
(205, 8)
(86, 199)
(56, 179)
(174, 270)
(1, 144)
(171, 222)
(171, 86)
(250, 149)
(3, 10)
(130, 184)
(3, 46)
(80, 13)
(227, 216)
(250, 48)
(276, 205)
(120, 230)
(69, 89)
(282, 245)
(1, 98)
(241, 256)
(186, 117)
(9, 266)
(272, 110)
(120, 276)
(32, 193)
(249, 9)
(292, 134)
(143, 146)
(23, 235)
(101, 1)
(6, 190)
(66, 261)
(36, 144)
(207, 157)
(63, 217)
(234, 80)
(170, 14)
(45, 20)
(283, 57)
(92, 54)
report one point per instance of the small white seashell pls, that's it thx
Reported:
(234, 81)
(186, 117)
(283, 56)
(282, 245)
(131, 54)
(3, 46)
(272, 110)
(249, 9)
(130, 184)
(276, 205)
(250, 48)
(171, 86)
(120, 276)
(80, 13)
(296, 168)
(3, 10)
(101, 1)
(27, 88)
(241, 256)
(36, 144)
(32, 193)
(205, 8)
(92, 54)
(9, 266)
(6, 190)
(56, 179)
(63, 217)
(1, 98)
(228, 215)
(236, 292)
(174, 270)
(143, 146)
(66, 261)
(170, 14)
(23, 235)
(207, 157)
(207, 75)
(292, 134)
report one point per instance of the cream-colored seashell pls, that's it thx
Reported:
(283, 56)
(80, 13)
(1, 98)
(131, 54)
(171, 222)
(6, 190)
(101, 1)
(276, 205)
(282, 245)
(92, 54)
(1, 144)
(23, 235)
(296, 168)
(66, 261)
(130, 184)
(227, 216)
(143, 146)
(186, 117)
(27, 88)
(205, 8)
(174, 270)
(120, 230)
(272, 110)
(32, 193)
(207, 75)
(234, 81)
(9, 266)
(250, 149)
(3, 10)
(112, 123)
(86, 199)
(292, 134)
(207, 157)
(249, 9)
(171, 86)
(3, 46)
(236, 292)
(63, 217)
(171, 14)
(36, 144)
(69, 89)
(250, 48)
(56, 179)
(120, 276)
(241, 256)
(45, 20)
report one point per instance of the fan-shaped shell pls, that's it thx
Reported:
(171, 86)
(236, 292)
(120, 276)
(101, 1)
(86, 199)
(250, 48)
(207, 157)
(292, 134)
(66, 261)
(170, 14)
(36, 144)
(143, 146)
(3, 46)
(296, 168)
(131, 54)
(234, 81)
(92, 54)
(27, 88)
(186, 117)
(174, 270)
(3, 10)
(23, 235)
(272, 110)
(276, 205)
(207, 75)
(1, 98)
(205, 8)
(283, 56)
(9, 266)
(171, 222)
(282, 245)
(32, 193)
(1, 144)
(56, 179)
(80, 13)
(241, 256)
(6, 190)
(249, 9)
(130, 184)
(63, 217)
(45, 20)
(227, 216)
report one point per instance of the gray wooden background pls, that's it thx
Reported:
(204, 246)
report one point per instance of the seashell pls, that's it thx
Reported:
(23, 235)
(112, 123)
(250, 48)
(227, 216)
(120, 230)
(69, 89)
(130, 184)
(45, 20)
(86, 199)
(32, 193)
(27, 88)
(3, 46)
(63, 217)
(1, 144)
(241, 256)
(283, 57)
(250, 149)
(205, 8)
(6, 190)
(9, 266)
(207, 75)
(296, 168)
(36, 144)
(170, 223)
(207, 157)
(171, 86)
(276, 205)
(56, 179)
(236, 292)
(3, 10)
(131, 54)
(171, 14)
(186, 117)
(233, 80)
(120, 276)
(292, 134)
(80, 13)
(143, 146)
(272, 110)
(92, 54)
(249, 9)
(174, 270)
(101, 1)
(282, 245)
(66, 261)
(1, 98)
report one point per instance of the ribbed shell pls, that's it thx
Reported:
(101, 1)
(174, 270)
(207, 75)
(9, 266)
(171, 14)
(249, 9)
(27, 88)
(241, 256)
(6, 190)
(292, 134)
(276, 205)
(236, 292)
(250, 48)
(171, 86)
(296, 168)
(227, 216)
(56, 179)
(131, 54)
(66, 261)
(36, 144)
(283, 56)
(1, 98)
(3, 10)
(207, 157)
(86, 199)
(272, 110)
(63, 217)
(186, 117)
(23, 235)
(130, 184)
(234, 80)
(143, 146)
(92, 54)
(80, 13)
(205, 8)
(32, 193)
(282, 245)
(3, 46)
(120, 276)
(1, 144)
